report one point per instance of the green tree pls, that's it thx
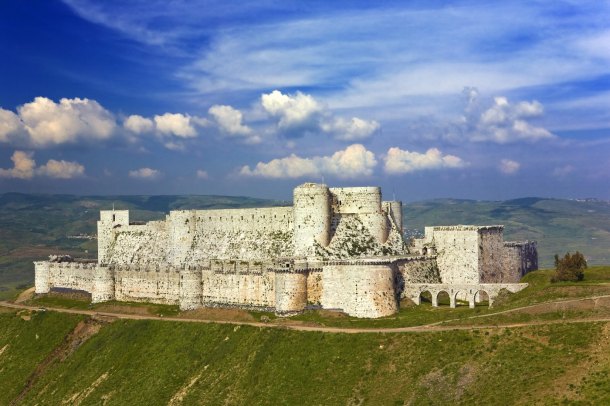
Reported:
(569, 268)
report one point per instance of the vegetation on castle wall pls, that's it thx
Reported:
(352, 239)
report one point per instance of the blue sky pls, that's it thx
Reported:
(428, 99)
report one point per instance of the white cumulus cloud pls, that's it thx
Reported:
(167, 127)
(24, 167)
(201, 174)
(177, 124)
(296, 110)
(504, 122)
(138, 124)
(43, 122)
(300, 113)
(509, 167)
(145, 173)
(399, 161)
(61, 169)
(9, 124)
(350, 130)
(352, 162)
(230, 122)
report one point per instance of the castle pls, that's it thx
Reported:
(335, 248)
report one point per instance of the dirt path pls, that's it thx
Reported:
(438, 326)
(542, 305)
(25, 295)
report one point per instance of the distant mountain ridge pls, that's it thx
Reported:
(559, 225)
(33, 226)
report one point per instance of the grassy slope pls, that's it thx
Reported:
(25, 343)
(148, 362)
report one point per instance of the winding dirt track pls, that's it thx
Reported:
(433, 327)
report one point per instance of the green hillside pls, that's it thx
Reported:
(156, 362)
(557, 353)
(34, 226)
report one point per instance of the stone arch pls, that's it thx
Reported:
(481, 295)
(425, 296)
(461, 295)
(439, 297)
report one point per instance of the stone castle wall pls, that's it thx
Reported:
(336, 248)
(491, 254)
(319, 216)
(457, 249)
(362, 289)
(419, 269)
(188, 236)
(146, 284)
(478, 254)
(518, 259)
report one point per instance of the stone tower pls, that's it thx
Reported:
(365, 203)
(312, 218)
(110, 220)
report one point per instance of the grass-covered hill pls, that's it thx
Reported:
(50, 358)
(158, 363)
(33, 226)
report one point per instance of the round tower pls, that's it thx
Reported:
(312, 217)
(103, 284)
(290, 292)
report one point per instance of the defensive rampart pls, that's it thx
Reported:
(336, 248)
(362, 288)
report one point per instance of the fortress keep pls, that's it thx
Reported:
(335, 248)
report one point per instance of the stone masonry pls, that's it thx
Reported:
(335, 248)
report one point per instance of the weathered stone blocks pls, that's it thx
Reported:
(360, 290)
(336, 248)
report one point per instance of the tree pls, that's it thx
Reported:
(569, 268)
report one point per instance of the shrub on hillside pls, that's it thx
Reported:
(569, 268)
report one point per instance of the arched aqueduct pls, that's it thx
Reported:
(468, 292)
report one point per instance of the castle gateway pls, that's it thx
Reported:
(335, 248)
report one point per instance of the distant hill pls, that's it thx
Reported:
(33, 226)
(558, 225)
